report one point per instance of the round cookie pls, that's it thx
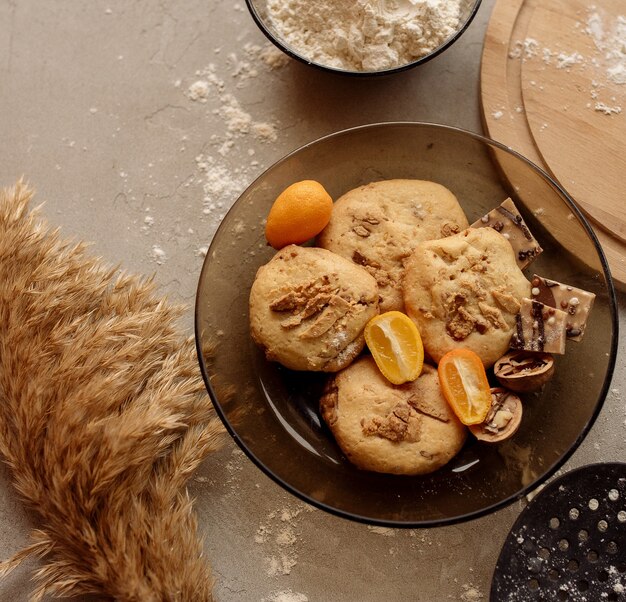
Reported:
(400, 429)
(378, 225)
(465, 291)
(308, 308)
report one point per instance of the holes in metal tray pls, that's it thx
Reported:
(592, 556)
(543, 553)
(612, 548)
(576, 547)
(582, 585)
(573, 565)
(553, 574)
(533, 585)
(554, 523)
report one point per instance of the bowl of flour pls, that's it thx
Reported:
(363, 37)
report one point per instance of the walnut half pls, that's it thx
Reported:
(524, 371)
(503, 419)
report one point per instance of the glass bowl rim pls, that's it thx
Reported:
(302, 59)
(460, 518)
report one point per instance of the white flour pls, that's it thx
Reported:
(610, 39)
(606, 62)
(471, 593)
(286, 596)
(364, 35)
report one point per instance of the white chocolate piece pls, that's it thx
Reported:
(576, 302)
(539, 328)
(507, 220)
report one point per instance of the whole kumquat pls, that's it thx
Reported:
(465, 386)
(299, 213)
(396, 346)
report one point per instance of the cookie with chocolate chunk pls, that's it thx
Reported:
(308, 308)
(465, 291)
(378, 225)
(404, 429)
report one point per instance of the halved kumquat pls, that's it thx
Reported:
(465, 386)
(396, 346)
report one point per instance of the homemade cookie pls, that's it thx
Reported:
(400, 429)
(308, 308)
(378, 225)
(465, 291)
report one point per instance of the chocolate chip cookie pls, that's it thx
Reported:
(378, 225)
(308, 308)
(465, 291)
(404, 429)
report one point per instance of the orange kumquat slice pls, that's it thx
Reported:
(396, 346)
(465, 386)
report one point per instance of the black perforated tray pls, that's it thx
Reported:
(569, 543)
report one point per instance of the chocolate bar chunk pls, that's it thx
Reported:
(576, 302)
(507, 220)
(539, 327)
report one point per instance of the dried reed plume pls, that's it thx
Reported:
(103, 418)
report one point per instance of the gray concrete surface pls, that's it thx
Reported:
(95, 111)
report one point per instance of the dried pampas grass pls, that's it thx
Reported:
(103, 418)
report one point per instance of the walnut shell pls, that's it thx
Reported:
(524, 371)
(503, 419)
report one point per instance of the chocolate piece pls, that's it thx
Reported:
(539, 328)
(507, 220)
(576, 302)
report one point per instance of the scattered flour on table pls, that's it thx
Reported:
(158, 254)
(199, 90)
(272, 57)
(247, 66)
(364, 35)
(386, 531)
(286, 595)
(471, 593)
(219, 184)
(218, 166)
(217, 86)
(148, 222)
(279, 535)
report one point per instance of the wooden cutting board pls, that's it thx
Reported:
(504, 114)
(562, 84)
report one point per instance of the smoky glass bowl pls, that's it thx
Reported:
(272, 413)
(260, 14)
